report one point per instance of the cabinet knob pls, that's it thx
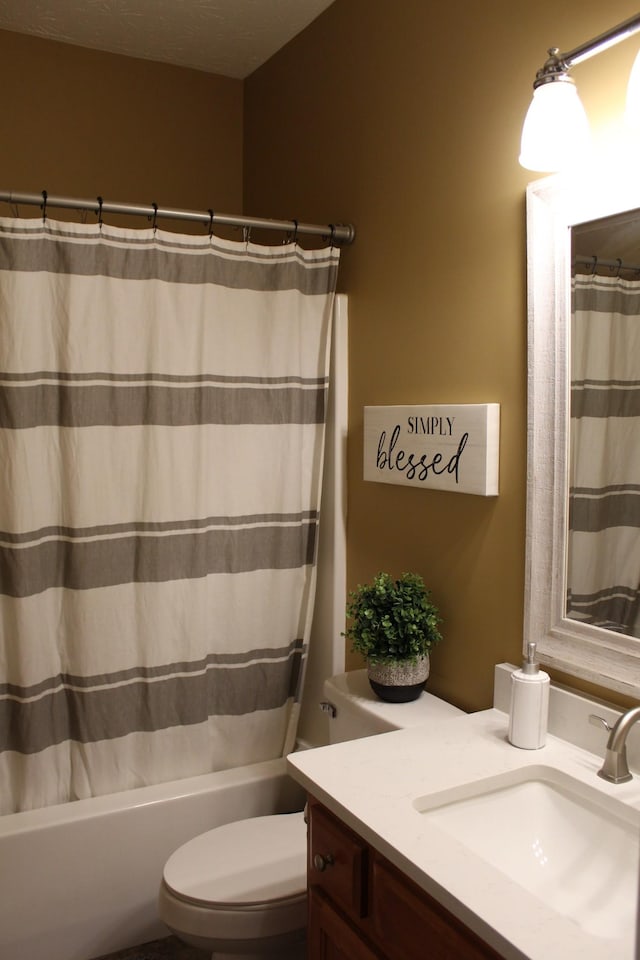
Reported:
(321, 862)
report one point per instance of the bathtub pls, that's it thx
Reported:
(81, 879)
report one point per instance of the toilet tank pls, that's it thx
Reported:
(355, 711)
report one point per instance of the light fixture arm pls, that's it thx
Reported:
(558, 64)
(607, 39)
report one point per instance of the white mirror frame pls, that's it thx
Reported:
(554, 205)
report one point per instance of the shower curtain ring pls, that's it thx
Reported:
(619, 262)
(211, 216)
(155, 217)
(594, 266)
(100, 221)
(333, 235)
(291, 236)
(44, 205)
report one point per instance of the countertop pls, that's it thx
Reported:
(370, 784)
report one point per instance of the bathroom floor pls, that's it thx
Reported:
(169, 948)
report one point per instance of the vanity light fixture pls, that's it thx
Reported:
(556, 129)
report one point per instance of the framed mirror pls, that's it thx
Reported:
(579, 609)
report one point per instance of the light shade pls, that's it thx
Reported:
(556, 130)
(632, 113)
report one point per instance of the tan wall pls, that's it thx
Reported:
(83, 123)
(405, 118)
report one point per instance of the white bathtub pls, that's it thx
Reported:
(81, 879)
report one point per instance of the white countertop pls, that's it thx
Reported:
(370, 784)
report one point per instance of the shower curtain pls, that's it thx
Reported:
(162, 402)
(603, 572)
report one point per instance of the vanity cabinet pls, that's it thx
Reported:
(361, 907)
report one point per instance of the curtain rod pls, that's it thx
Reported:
(597, 263)
(339, 234)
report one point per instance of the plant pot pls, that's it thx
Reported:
(399, 681)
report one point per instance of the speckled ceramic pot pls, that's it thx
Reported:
(400, 681)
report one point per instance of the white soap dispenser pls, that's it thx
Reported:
(529, 704)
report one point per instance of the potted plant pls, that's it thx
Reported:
(393, 625)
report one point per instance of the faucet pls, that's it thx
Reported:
(615, 768)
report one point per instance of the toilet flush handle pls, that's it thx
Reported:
(321, 862)
(327, 707)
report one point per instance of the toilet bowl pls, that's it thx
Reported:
(240, 890)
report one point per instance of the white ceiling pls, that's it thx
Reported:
(228, 37)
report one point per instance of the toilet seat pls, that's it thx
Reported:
(242, 863)
(244, 880)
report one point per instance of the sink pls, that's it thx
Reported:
(571, 845)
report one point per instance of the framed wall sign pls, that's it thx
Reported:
(437, 447)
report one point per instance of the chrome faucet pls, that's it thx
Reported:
(615, 768)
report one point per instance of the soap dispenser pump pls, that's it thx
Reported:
(529, 704)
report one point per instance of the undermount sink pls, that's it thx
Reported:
(570, 845)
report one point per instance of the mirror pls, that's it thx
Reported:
(566, 216)
(603, 537)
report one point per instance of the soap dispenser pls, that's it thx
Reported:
(529, 704)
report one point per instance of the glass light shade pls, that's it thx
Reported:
(632, 113)
(556, 130)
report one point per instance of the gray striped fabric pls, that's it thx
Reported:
(603, 576)
(34, 562)
(170, 259)
(123, 404)
(162, 407)
(89, 709)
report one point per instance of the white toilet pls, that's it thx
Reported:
(240, 890)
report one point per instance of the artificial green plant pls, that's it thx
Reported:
(392, 620)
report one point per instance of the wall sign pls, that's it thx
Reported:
(437, 447)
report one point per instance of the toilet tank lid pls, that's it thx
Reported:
(242, 863)
(353, 691)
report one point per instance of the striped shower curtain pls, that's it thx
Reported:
(603, 565)
(162, 403)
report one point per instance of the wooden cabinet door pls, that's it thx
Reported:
(330, 936)
(337, 862)
(408, 924)
(361, 907)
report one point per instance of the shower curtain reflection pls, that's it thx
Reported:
(603, 564)
(161, 429)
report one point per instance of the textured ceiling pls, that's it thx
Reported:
(228, 37)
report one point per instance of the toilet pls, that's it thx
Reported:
(240, 890)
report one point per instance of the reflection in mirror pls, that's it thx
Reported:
(603, 541)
